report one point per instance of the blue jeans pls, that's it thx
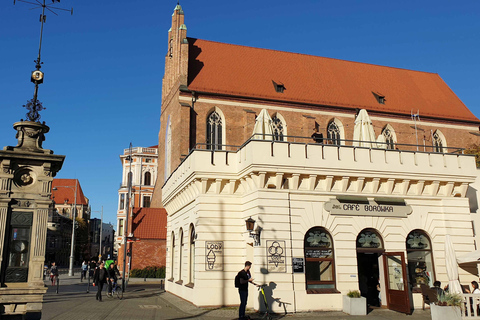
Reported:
(243, 304)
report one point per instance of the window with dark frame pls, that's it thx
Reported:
(146, 201)
(277, 125)
(420, 263)
(122, 201)
(390, 142)
(147, 179)
(319, 261)
(437, 142)
(333, 133)
(214, 131)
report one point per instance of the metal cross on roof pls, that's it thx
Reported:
(34, 105)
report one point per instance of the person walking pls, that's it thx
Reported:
(99, 279)
(83, 275)
(92, 266)
(53, 273)
(112, 275)
(244, 277)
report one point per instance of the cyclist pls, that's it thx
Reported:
(113, 275)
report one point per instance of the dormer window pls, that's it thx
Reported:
(380, 97)
(279, 87)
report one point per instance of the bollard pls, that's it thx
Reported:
(145, 278)
(58, 284)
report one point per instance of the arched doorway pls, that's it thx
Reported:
(369, 248)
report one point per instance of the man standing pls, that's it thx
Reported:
(244, 277)
(99, 279)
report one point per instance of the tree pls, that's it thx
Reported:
(475, 150)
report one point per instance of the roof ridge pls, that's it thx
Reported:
(314, 56)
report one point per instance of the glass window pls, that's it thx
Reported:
(389, 139)
(333, 133)
(120, 227)
(192, 254)
(437, 142)
(419, 257)
(180, 255)
(319, 261)
(146, 201)
(20, 242)
(214, 131)
(172, 256)
(122, 201)
(277, 128)
(147, 180)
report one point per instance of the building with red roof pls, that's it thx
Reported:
(351, 173)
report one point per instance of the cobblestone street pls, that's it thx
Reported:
(146, 300)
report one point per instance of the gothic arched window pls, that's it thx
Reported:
(388, 134)
(333, 133)
(438, 142)
(277, 125)
(214, 131)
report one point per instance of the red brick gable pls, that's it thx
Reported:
(63, 194)
(149, 223)
(228, 69)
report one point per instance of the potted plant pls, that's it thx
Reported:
(447, 307)
(354, 303)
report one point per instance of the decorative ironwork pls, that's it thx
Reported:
(417, 240)
(34, 106)
(369, 239)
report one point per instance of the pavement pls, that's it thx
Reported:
(145, 300)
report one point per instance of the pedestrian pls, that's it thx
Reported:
(83, 275)
(53, 273)
(99, 279)
(93, 266)
(241, 281)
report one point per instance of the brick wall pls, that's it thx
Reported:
(144, 253)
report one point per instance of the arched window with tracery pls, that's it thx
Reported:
(172, 256)
(319, 261)
(438, 141)
(419, 257)
(278, 128)
(180, 255)
(333, 133)
(389, 136)
(147, 178)
(214, 131)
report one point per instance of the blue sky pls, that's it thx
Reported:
(104, 65)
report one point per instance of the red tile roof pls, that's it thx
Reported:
(222, 68)
(149, 223)
(62, 193)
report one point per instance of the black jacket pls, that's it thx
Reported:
(100, 275)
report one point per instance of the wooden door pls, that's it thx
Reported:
(396, 282)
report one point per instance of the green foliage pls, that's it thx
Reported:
(474, 149)
(353, 294)
(148, 272)
(450, 299)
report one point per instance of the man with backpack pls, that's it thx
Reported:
(241, 282)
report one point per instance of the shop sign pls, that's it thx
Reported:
(276, 256)
(213, 255)
(298, 265)
(368, 208)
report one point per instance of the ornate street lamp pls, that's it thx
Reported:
(250, 225)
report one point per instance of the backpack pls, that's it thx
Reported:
(237, 280)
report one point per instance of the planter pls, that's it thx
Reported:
(355, 306)
(445, 312)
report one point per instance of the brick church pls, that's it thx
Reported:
(301, 181)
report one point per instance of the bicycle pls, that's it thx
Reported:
(267, 314)
(116, 290)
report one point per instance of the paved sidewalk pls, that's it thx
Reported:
(147, 301)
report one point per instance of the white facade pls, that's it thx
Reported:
(144, 174)
(287, 188)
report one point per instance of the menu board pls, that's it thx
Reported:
(298, 265)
